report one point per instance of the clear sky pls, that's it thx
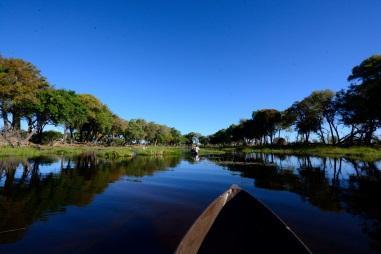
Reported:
(197, 65)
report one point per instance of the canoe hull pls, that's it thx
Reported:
(236, 222)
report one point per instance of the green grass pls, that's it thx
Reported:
(106, 152)
(353, 152)
(216, 150)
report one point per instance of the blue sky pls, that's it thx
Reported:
(194, 65)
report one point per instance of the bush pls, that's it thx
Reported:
(280, 141)
(47, 137)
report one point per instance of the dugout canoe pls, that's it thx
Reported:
(236, 222)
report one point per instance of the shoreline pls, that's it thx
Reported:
(364, 153)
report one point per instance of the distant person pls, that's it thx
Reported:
(195, 150)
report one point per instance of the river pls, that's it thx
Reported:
(146, 204)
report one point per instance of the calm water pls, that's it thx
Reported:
(145, 205)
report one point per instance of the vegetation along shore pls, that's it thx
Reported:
(352, 152)
(325, 123)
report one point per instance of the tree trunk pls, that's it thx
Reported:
(81, 135)
(16, 121)
(65, 134)
(71, 134)
(307, 137)
(332, 134)
(321, 134)
(337, 133)
(29, 136)
(30, 125)
(351, 135)
(39, 131)
(4, 115)
(369, 133)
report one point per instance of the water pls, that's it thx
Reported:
(145, 204)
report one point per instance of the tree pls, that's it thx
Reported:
(151, 130)
(306, 120)
(20, 82)
(176, 137)
(359, 105)
(99, 119)
(135, 132)
(57, 107)
(163, 135)
(267, 122)
(219, 137)
(118, 130)
(330, 113)
(75, 113)
(192, 138)
(47, 137)
(322, 107)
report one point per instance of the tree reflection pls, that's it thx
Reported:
(362, 198)
(310, 181)
(27, 194)
(322, 183)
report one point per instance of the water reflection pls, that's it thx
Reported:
(32, 189)
(335, 184)
(156, 211)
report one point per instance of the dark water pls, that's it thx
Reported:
(145, 205)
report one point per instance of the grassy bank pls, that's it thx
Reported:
(354, 152)
(216, 150)
(107, 152)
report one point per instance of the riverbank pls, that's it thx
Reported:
(106, 152)
(353, 152)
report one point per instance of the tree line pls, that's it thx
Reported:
(26, 96)
(350, 116)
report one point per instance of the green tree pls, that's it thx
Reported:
(57, 107)
(321, 106)
(20, 82)
(117, 132)
(99, 119)
(267, 121)
(47, 137)
(135, 132)
(151, 130)
(163, 134)
(359, 105)
(75, 113)
(306, 119)
(176, 136)
(192, 138)
(220, 137)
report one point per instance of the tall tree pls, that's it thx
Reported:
(321, 107)
(99, 119)
(57, 107)
(192, 138)
(359, 105)
(306, 120)
(267, 122)
(118, 129)
(20, 82)
(135, 132)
